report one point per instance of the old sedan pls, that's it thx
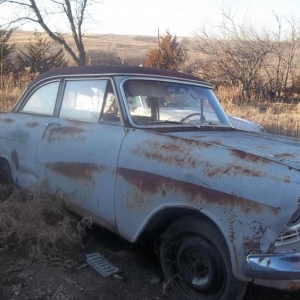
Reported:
(224, 202)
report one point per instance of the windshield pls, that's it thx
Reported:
(161, 102)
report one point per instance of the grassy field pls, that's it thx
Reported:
(131, 43)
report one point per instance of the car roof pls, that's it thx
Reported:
(114, 70)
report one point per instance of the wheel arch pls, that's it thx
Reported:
(158, 223)
(162, 219)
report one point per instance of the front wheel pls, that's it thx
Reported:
(196, 262)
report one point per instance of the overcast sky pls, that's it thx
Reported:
(180, 17)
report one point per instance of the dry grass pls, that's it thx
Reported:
(7, 102)
(39, 224)
(277, 118)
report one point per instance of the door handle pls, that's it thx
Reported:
(48, 124)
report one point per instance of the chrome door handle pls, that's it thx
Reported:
(48, 124)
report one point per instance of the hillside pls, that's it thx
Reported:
(95, 41)
(135, 44)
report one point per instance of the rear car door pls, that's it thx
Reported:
(22, 129)
(79, 149)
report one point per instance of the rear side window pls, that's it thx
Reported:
(42, 101)
(83, 100)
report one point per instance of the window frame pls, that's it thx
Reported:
(20, 106)
(91, 78)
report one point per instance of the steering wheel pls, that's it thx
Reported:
(192, 115)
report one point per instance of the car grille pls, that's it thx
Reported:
(288, 237)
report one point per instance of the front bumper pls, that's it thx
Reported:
(274, 266)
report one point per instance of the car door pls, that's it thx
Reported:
(22, 129)
(78, 151)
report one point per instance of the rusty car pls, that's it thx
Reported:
(223, 203)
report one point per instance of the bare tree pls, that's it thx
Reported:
(74, 12)
(107, 56)
(285, 58)
(234, 55)
(5, 51)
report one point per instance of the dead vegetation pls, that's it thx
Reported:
(38, 224)
(276, 118)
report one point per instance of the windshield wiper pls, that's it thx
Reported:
(162, 122)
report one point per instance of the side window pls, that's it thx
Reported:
(83, 100)
(42, 101)
(111, 112)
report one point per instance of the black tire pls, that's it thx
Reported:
(196, 263)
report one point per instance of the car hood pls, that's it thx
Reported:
(243, 124)
(277, 148)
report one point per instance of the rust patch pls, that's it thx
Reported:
(236, 257)
(251, 243)
(287, 180)
(147, 185)
(76, 170)
(232, 220)
(32, 124)
(55, 132)
(215, 142)
(15, 158)
(67, 130)
(177, 154)
(7, 120)
(249, 157)
(232, 170)
(284, 155)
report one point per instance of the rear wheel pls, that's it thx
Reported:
(196, 262)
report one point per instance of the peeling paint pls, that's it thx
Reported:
(251, 245)
(232, 170)
(285, 155)
(215, 142)
(248, 157)
(169, 153)
(147, 184)
(6, 120)
(251, 242)
(77, 171)
(67, 130)
(32, 124)
(56, 132)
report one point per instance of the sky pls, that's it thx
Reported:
(180, 17)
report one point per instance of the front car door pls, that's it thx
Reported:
(79, 149)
